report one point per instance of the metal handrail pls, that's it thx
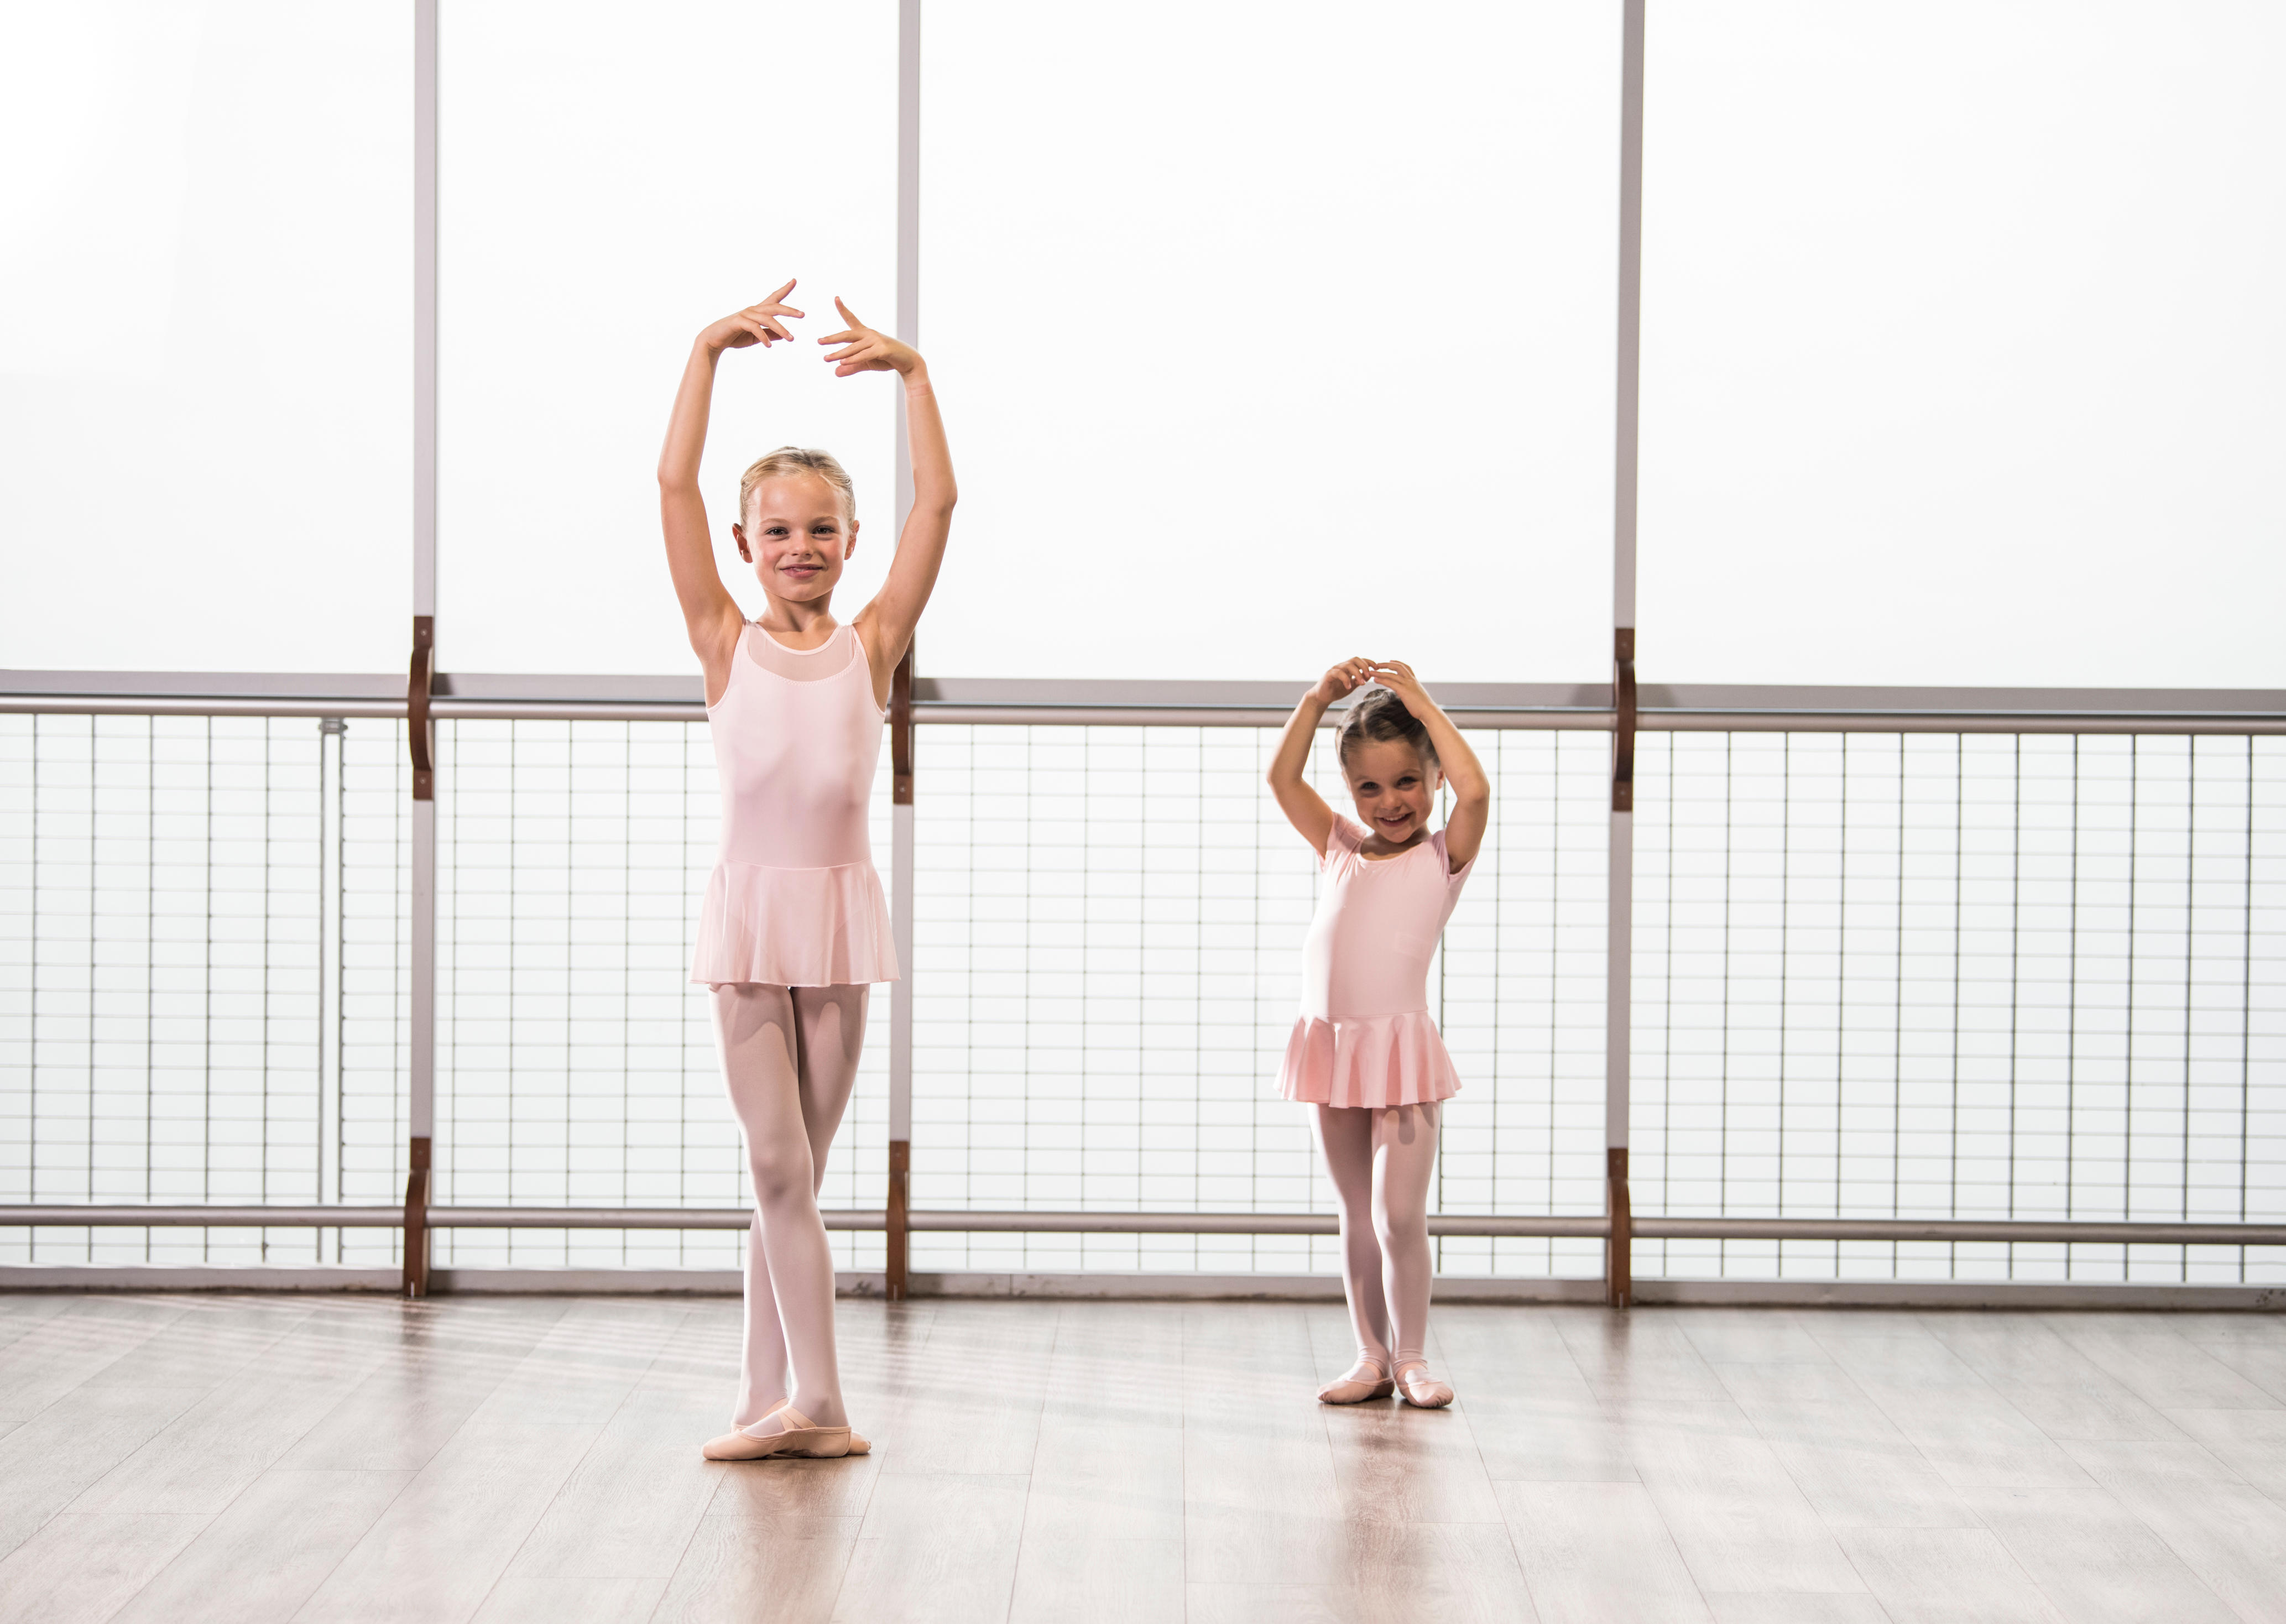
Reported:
(2018, 1230)
(1177, 716)
(1048, 703)
(951, 1220)
(44, 1214)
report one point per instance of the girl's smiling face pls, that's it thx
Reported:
(1393, 788)
(796, 536)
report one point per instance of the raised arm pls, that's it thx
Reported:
(1473, 791)
(1303, 806)
(887, 622)
(709, 612)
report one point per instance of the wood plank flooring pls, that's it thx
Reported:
(260, 1458)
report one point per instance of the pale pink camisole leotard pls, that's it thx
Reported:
(794, 900)
(1365, 1035)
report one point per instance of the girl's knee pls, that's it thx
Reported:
(1399, 1232)
(779, 1172)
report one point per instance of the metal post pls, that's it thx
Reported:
(420, 732)
(901, 694)
(332, 893)
(901, 998)
(1619, 1268)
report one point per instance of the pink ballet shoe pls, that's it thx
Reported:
(800, 1437)
(1355, 1389)
(858, 1444)
(1418, 1388)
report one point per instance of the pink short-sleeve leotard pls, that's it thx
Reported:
(794, 900)
(1365, 1036)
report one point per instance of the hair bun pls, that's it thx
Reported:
(1378, 716)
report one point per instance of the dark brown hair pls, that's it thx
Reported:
(1379, 716)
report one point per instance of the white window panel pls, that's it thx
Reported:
(1961, 341)
(609, 182)
(206, 369)
(1268, 335)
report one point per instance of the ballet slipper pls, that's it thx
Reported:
(857, 1442)
(1355, 1389)
(1422, 1390)
(798, 1436)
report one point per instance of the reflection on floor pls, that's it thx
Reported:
(249, 1458)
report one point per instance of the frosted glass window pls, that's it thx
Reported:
(611, 180)
(1271, 335)
(206, 363)
(1962, 337)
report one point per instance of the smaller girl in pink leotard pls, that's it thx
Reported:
(1365, 1049)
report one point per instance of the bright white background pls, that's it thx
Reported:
(1962, 343)
(1267, 335)
(206, 336)
(1260, 332)
(613, 179)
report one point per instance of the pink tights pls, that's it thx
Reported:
(790, 1058)
(1380, 1161)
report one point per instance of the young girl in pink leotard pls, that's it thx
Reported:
(1365, 1051)
(795, 928)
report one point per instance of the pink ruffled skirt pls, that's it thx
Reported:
(1370, 1062)
(794, 927)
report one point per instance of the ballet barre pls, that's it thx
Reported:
(956, 1221)
(1659, 706)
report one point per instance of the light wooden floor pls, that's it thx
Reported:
(252, 1458)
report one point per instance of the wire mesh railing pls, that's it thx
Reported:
(1877, 975)
(1109, 922)
(204, 995)
(1962, 976)
(576, 1063)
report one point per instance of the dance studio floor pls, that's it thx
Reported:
(249, 1458)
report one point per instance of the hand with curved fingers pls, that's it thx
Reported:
(865, 350)
(1397, 676)
(1343, 679)
(762, 324)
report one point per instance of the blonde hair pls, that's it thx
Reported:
(790, 460)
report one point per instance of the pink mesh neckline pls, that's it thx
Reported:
(802, 665)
